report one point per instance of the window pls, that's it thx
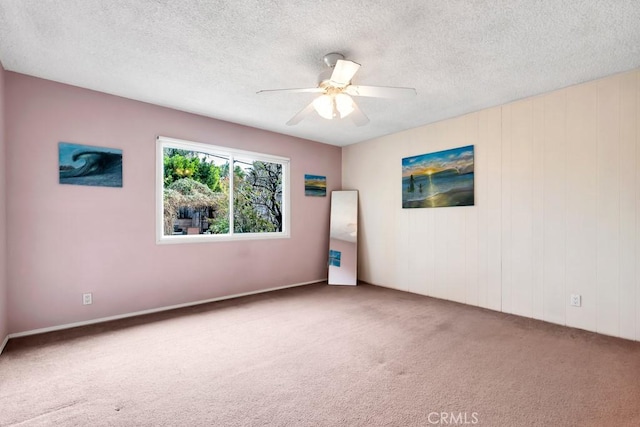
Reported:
(208, 193)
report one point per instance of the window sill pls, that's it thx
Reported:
(212, 238)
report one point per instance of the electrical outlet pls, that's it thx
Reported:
(576, 300)
(87, 299)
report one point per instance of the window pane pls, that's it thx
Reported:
(212, 193)
(196, 193)
(257, 203)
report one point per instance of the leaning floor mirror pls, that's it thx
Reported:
(343, 238)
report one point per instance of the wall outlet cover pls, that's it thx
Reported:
(576, 300)
(87, 299)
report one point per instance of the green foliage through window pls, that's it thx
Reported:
(196, 194)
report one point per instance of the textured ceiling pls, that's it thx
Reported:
(210, 57)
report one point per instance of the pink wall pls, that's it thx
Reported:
(65, 240)
(4, 320)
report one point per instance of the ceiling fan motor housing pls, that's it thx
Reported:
(324, 77)
(331, 59)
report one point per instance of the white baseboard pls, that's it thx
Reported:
(4, 343)
(150, 311)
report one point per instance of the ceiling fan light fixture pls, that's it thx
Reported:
(332, 106)
(324, 106)
(344, 104)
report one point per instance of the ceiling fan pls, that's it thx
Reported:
(336, 89)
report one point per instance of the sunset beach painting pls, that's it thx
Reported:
(440, 179)
(315, 185)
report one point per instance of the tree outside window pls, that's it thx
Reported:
(197, 193)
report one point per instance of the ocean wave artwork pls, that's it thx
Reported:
(440, 179)
(89, 165)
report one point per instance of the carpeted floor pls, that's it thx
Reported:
(322, 356)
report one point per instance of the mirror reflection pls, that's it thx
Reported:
(343, 238)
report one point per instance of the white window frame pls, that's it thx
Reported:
(163, 142)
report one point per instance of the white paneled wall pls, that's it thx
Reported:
(557, 210)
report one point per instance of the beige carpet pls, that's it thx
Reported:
(322, 356)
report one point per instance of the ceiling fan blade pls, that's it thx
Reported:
(343, 72)
(295, 90)
(380, 91)
(358, 116)
(301, 115)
